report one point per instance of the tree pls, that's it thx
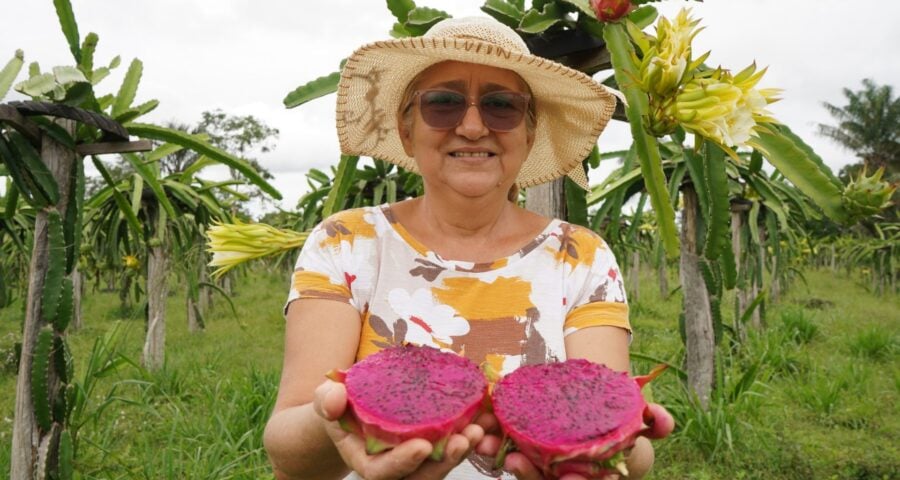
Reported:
(868, 125)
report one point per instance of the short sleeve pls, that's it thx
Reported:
(600, 300)
(318, 273)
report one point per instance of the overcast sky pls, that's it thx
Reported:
(244, 56)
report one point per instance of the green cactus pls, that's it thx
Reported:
(56, 268)
(40, 379)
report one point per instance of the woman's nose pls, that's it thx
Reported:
(472, 125)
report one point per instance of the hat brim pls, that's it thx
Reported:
(572, 109)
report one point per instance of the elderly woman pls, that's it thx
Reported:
(462, 267)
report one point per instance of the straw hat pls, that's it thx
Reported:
(572, 109)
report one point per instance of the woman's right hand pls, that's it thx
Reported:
(408, 460)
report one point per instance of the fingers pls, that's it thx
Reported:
(403, 460)
(521, 467)
(330, 400)
(663, 423)
(489, 445)
(457, 449)
(488, 422)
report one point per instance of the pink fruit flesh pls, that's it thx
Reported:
(572, 416)
(409, 392)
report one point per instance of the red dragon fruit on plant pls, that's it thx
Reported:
(572, 417)
(407, 392)
(611, 10)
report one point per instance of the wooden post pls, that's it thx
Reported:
(738, 211)
(662, 271)
(77, 293)
(31, 448)
(634, 271)
(548, 199)
(157, 293)
(700, 341)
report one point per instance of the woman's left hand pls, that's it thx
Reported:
(639, 459)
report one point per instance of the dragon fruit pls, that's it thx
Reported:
(611, 10)
(407, 392)
(572, 417)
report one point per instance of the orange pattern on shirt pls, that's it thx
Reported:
(474, 299)
(347, 225)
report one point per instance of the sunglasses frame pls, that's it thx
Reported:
(417, 99)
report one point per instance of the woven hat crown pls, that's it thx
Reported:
(481, 29)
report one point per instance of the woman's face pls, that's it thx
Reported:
(470, 159)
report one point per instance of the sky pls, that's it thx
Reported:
(244, 56)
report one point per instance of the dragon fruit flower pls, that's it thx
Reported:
(410, 391)
(611, 10)
(865, 196)
(235, 243)
(724, 108)
(572, 417)
(668, 60)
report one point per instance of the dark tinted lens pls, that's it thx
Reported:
(441, 109)
(503, 110)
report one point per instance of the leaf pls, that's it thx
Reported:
(119, 199)
(175, 136)
(20, 176)
(583, 6)
(317, 88)
(37, 85)
(343, 179)
(56, 268)
(150, 178)
(401, 8)
(505, 12)
(72, 227)
(536, 21)
(756, 160)
(420, 19)
(66, 74)
(576, 203)
(621, 52)
(10, 72)
(40, 378)
(65, 308)
(399, 31)
(643, 16)
(12, 200)
(128, 90)
(792, 161)
(88, 47)
(66, 456)
(69, 27)
(35, 167)
(718, 214)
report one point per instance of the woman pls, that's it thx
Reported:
(462, 267)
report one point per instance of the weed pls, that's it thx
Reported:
(874, 344)
(798, 326)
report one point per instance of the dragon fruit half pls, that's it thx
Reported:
(572, 417)
(407, 392)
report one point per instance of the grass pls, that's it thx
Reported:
(813, 396)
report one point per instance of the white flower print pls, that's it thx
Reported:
(428, 322)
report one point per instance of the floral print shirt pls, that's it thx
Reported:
(513, 311)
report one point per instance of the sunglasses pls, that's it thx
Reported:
(500, 111)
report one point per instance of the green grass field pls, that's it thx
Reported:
(820, 400)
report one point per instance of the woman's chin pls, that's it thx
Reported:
(473, 186)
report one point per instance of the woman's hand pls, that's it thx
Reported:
(409, 460)
(639, 459)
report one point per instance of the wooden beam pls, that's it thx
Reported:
(26, 127)
(114, 147)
